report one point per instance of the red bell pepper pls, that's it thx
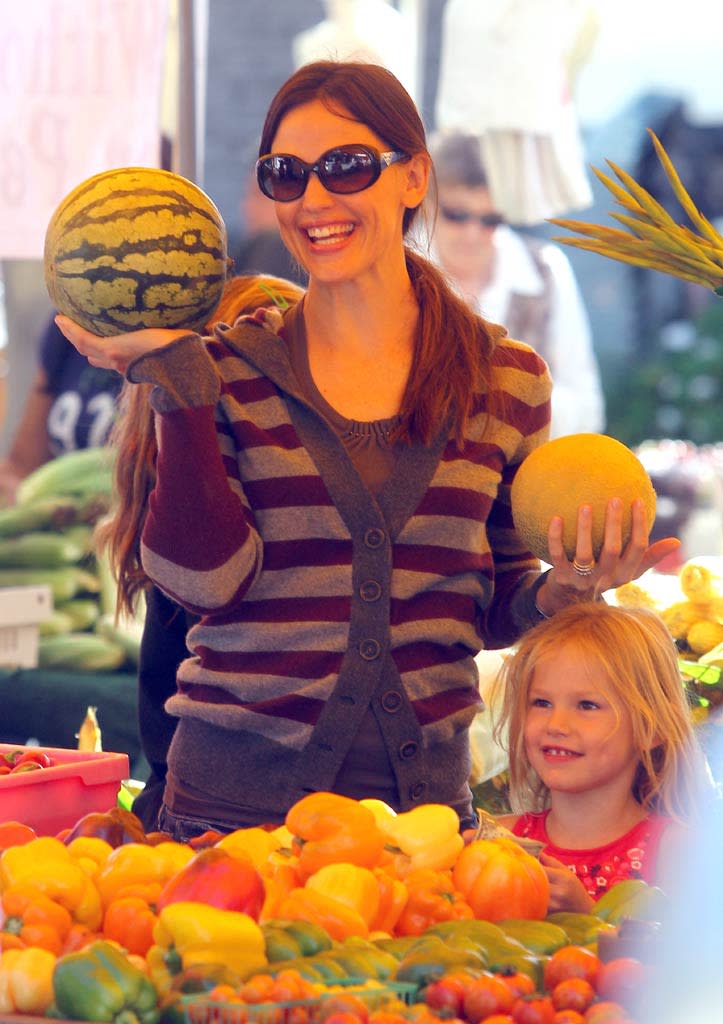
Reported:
(218, 879)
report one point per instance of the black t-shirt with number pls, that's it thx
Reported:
(84, 396)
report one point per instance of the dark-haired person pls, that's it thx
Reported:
(332, 490)
(514, 278)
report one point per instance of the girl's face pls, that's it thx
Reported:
(337, 237)
(578, 737)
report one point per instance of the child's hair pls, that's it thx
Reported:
(134, 440)
(636, 654)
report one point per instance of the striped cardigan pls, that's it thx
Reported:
(317, 599)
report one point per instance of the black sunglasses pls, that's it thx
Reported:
(344, 170)
(485, 220)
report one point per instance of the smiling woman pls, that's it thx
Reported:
(332, 490)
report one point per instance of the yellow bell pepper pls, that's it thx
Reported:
(255, 843)
(139, 864)
(350, 884)
(26, 980)
(189, 934)
(46, 863)
(90, 852)
(427, 837)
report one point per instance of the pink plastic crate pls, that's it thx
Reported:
(52, 799)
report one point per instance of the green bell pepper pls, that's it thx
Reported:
(98, 983)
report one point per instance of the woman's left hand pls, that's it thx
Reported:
(585, 578)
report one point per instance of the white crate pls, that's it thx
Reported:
(22, 609)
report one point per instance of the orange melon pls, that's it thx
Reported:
(136, 247)
(579, 469)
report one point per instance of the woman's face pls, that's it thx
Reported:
(340, 238)
(464, 243)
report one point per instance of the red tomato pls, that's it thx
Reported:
(622, 980)
(606, 1012)
(568, 1017)
(571, 962)
(485, 995)
(343, 1017)
(533, 1010)
(26, 766)
(446, 995)
(14, 833)
(499, 1018)
(572, 994)
(35, 756)
(520, 984)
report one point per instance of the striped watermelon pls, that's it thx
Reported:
(136, 247)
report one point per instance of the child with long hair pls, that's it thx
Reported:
(604, 763)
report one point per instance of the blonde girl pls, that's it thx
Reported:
(604, 764)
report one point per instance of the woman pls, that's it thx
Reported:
(333, 499)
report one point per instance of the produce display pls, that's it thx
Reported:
(47, 538)
(569, 471)
(346, 914)
(136, 247)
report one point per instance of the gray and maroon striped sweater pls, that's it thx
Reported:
(318, 600)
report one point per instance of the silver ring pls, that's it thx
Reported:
(583, 570)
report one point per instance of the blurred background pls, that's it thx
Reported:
(553, 86)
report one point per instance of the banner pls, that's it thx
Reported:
(80, 93)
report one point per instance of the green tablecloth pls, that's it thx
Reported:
(49, 707)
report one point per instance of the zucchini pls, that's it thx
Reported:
(43, 514)
(79, 652)
(85, 471)
(64, 583)
(82, 612)
(37, 549)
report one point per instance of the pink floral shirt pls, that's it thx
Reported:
(633, 855)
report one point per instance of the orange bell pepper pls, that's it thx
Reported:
(130, 921)
(254, 843)
(14, 833)
(432, 897)
(33, 919)
(393, 896)
(354, 886)
(338, 919)
(279, 879)
(329, 828)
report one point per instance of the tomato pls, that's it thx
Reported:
(568, 1017)
(520, 984)
(606, 1012)
(26, 766)
(35, 756)
(622, 980)
(343, 1017)
(11, 756)
(571, 962)
(485, 995)
(499, 1018)
(343, 1004)
(572, 994)
(5, 769)
(533, 1010)
(446, 995)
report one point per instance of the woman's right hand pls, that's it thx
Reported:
(118, 351)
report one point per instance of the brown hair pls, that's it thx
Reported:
(454, 346)
(458, 160)
(134, 441)
(636, 654)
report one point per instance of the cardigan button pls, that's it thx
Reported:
(370, 590)
(374, 537)
(370, 649)
(408, 750)
(417, 791)
(391, 701)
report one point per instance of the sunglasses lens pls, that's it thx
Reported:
(282, 178)
(348, 170)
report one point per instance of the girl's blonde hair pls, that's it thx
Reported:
(636, 654)
(134, 441)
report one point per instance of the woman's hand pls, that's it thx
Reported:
(118, 351)
(584, 578)
(566, 890)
